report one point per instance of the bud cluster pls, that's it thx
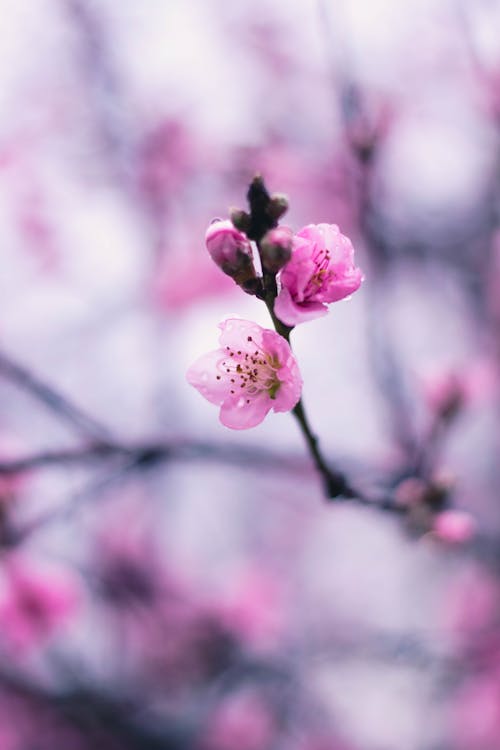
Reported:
(229, 241)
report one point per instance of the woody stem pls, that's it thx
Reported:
(335, 483)
(261, 221)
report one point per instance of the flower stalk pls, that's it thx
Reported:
(335, 484)
(254, 370)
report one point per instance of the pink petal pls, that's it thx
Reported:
(297, 273)
(311, 233)
(341, 288)
(289, 374)
(203, 376)
(290, 313)
(291, 388)
(240, 415)
(235, 333)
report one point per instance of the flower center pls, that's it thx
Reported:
(322, 273)
(250, 372)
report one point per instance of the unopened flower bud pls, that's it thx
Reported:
(454, 526)
(230, 249)
(241, 219)
(278, 206)
(276, 248)
(410, 492)
(446, 394)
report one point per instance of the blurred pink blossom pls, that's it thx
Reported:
(253, 372)
(448, 390)
(187, 277)
(471, 606)
(476, 716)
(255, 609)
(321, 270)
(166, 160)
(243, 722)
(454, 526)
(33, 605)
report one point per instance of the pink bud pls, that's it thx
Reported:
(410, 492)
(278, 205)
(230, 249)
(446, 393)
(276, 248)
(454, 526)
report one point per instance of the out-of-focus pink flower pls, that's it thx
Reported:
(454, 526)
(445, 393)
(471, 606)
(448, 390)
(255, 608)
(243, 721)
(10, 738)
(166, 159)
(321, 270)
(230, 249)
(253, 372)
(477, 714)
(33, 605)
(186, 278)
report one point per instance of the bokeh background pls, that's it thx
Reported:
(166, 583)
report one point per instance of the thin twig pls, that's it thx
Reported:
(22, 378)
(335, 483)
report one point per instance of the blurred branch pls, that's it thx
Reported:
(362, 136)
(22, 378)
(120, 720)
(97, 717)
(147, 454)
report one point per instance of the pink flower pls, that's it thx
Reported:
(321, 270)
(230, 249)
(253, 372)
(244, 721)
(33, 605)
(255, 608)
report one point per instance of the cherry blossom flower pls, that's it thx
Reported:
(33, 605)
(243, 720)
(321, 270)
(253, 372)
